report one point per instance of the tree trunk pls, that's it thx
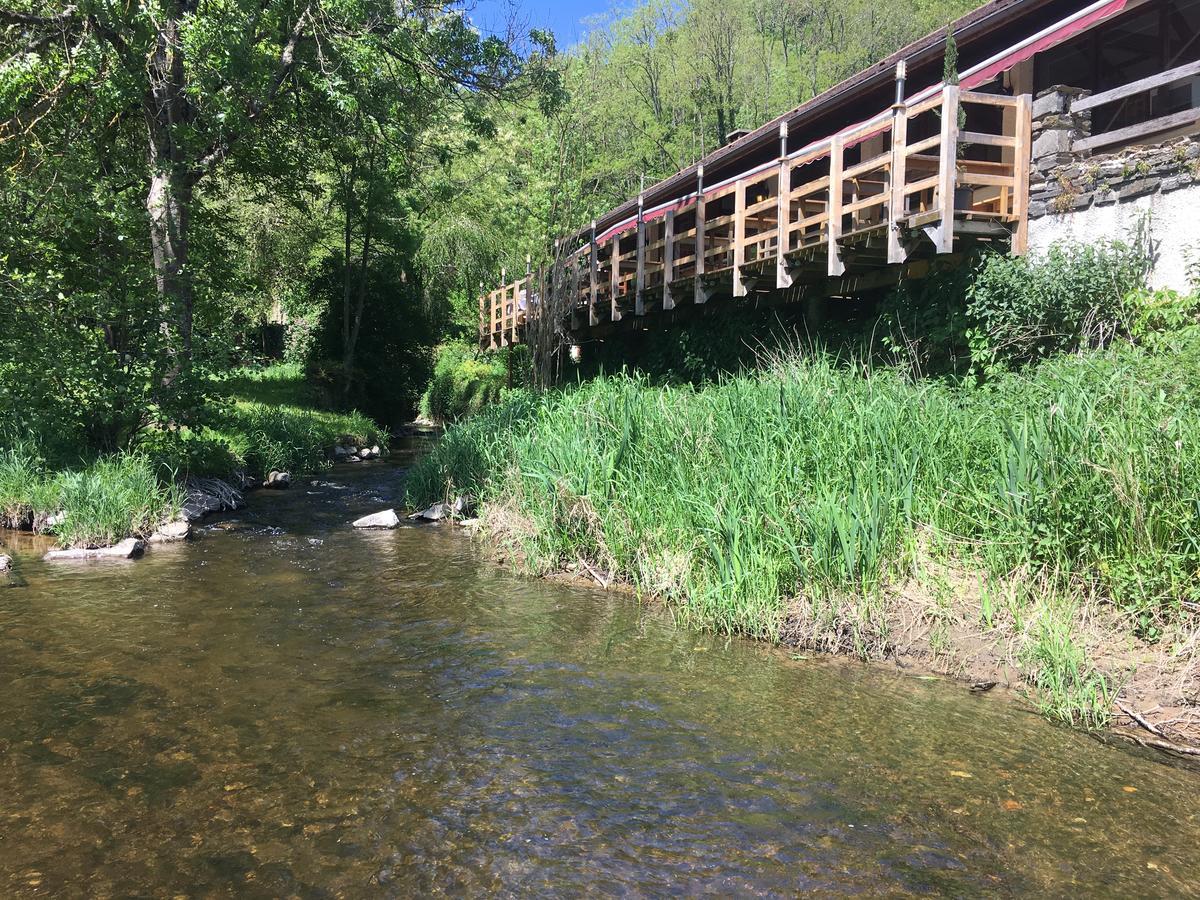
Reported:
(172, 185)
(356, 327)
(169, 203)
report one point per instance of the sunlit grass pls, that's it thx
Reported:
(812, 481)
(94, 505)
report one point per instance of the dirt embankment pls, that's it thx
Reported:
(951, 623)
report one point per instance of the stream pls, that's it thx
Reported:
(288, 707)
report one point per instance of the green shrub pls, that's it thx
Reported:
(463, 383)
(1024, 308)
(1150, 314)
(98, 504)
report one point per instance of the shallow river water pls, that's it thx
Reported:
(287, 707)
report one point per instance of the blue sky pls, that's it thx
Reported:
(562, 17)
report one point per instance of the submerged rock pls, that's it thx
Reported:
(461, 508)
(385, 519)
(435, 513)
(126, 549)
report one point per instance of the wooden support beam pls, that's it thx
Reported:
(739, 238)
(699, 295)
(668, 301)
(640, 301)
(897, 176)
(1020, 238)
(593, 318)
(614, 279)
(947, 168)
(833, 228)
(573, 286)
(783, 219)
(484, 312)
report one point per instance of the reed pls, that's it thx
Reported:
(813, 481)
(92, 505)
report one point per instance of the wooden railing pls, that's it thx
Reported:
(503, 313)
(868, 195)
(1126, 92)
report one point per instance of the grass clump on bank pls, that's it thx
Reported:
(94, 505)
(799, 501)
(259, 420)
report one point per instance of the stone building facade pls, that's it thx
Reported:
(1078, 196)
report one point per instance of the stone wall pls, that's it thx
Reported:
(1081, 197)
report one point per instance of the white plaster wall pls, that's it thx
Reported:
(1174, 230)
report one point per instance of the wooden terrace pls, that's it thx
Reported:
(836, 216)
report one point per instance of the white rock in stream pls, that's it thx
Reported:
(170, 532)
(385, 519)
(5, 562)
(127, 549)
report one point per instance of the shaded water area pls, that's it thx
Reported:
(287, 707)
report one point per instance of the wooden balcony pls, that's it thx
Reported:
(866, 200)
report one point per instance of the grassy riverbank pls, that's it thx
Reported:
(1048, 520)
(257, 420)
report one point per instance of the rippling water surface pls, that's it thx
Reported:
(287, 707)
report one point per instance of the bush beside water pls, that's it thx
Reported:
(100, 504)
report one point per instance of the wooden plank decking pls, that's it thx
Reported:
(868, 198)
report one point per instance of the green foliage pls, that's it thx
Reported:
(112, 498)
(810, 480)
(1025, 308)
(1149, 315)
(950, 59)
(464, 382)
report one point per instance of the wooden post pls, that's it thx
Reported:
(639, 303)
(614, 278)
(699, 296)
(668, 259)
(897, 177)
(1020, 239)
(739, 238)
(594, 319)
(484, 312)
(948, 168)
(572, 287)
(528, 297)
(783, 213)
(833, 228)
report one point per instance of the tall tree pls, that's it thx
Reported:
(207, 83)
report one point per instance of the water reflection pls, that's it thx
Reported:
(290, 707)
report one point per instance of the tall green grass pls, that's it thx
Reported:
(98, 504)
(812, 484)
